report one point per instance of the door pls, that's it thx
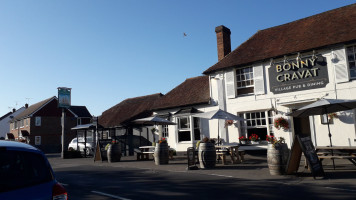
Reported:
(301, 126)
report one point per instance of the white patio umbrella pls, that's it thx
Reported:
(153, 121)
(322, 107)
(219, 114)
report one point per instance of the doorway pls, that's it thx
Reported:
(301, 126)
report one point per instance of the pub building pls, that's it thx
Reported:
(283, 68)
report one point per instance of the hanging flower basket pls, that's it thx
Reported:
(229, 123)
(281, 123)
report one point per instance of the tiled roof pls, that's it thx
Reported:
(33, 108)
(128, 110)
(80, 111)
(321, 30)
(192, 91)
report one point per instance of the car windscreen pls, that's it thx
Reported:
(20, 169)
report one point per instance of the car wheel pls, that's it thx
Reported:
(87, 152)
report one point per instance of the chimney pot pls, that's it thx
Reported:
(13, 110)
(26, 105)
(223, 41)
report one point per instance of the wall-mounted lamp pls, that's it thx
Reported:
(271, 62)
(314, 56)
(333, 57)
(285, 60)
(298, 57)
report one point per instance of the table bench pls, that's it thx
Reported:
(337, 152)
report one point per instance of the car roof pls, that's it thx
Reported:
(18, 146)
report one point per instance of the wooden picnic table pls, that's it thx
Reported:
(231, 150)
(337, 152)
(145, 153)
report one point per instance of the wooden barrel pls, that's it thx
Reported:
(277, 158)
(161, 154)
(114, 153)
(207, 155)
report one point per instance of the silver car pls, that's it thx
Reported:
(87, 148)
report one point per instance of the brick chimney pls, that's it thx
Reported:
(223, 40)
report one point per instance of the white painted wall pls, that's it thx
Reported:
(343, 129)
(4, 123)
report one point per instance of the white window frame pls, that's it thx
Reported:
(269, 114)
(165, 131)
(351, 58)
(38, 121)
(244, 77)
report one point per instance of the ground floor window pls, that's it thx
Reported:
(165, 131)
(184, 128)
(259, 123)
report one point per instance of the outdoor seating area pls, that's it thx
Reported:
(337, 152)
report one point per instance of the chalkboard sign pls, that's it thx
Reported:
(191, 158)
(305, 145)
(100, 152)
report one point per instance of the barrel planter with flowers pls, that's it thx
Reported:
(161, 153)
(207, 154)
(277, 157)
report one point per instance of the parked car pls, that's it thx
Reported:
(26, 174)
(88, 148)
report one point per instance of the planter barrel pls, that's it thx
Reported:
(277, 158)
(207, 155)
(114, 153)
(161, 154)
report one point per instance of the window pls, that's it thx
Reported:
(196, 128)
(22, 123)
(260, 123)
(244, 81)
(15, 125)
(183, 129)
(27, 121)
(255, 119)
(351, 57)
(165, 131)
(38, 121)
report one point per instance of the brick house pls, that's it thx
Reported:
(40, 124)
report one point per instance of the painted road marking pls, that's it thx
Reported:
(109, 195)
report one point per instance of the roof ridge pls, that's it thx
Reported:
(305, 18)
(144, 96)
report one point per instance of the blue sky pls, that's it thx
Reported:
(110, 50)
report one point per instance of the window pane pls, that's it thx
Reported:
(183, 136)
(184, 122)
(253, 115)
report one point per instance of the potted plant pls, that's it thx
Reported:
(281, 122)
(277, 156)
(243, 139)
(113, 151)
(161, 153)
(207, 153)
(270, 139)
(255, 139)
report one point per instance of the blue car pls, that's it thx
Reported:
(25, 173)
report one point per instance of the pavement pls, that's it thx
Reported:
(254, 167)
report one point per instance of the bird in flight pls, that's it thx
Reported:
(184, 34)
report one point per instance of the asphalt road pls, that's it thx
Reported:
(84, 180)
